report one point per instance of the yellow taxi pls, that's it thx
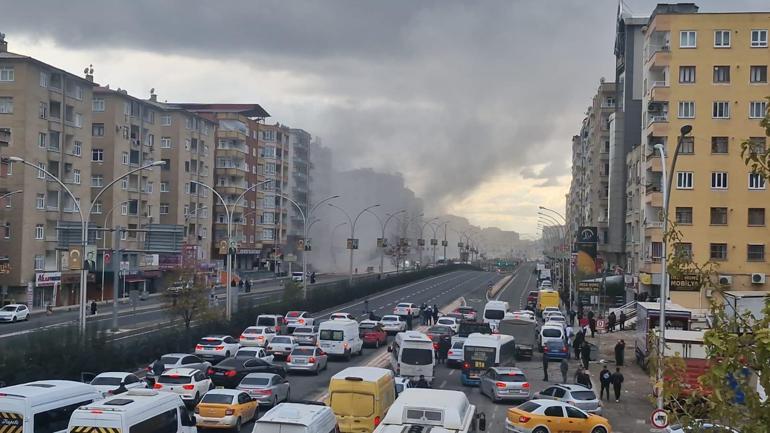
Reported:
(225, 408)
(549, 416)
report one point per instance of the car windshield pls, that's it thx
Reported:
(210, 341)
(366, 326)
(551, 333)
(328, 334)
(389, 319)
(583, 395)
(9, 308)
(417, 356)
(111, 381)
(511, 377)
(446, 321)
(213, 398)
(468, 328)
(528, 406)
(282, 340)
(256, 381)
(458, 344)
(169, 360)
(494, 314)
(266, 321)
(439, 330)
(465, 309)
(303, 331)
(293, 314)
(252, 331)
(302, 352)
(245, 353)
(404, 305)
(174, 379)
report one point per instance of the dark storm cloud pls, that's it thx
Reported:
(450, 93)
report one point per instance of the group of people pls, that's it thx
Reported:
(606, 379)
(429, 314)
(612, 321)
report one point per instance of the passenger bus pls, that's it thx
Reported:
(483, 351)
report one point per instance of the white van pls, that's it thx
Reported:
(297, 418)
(143, 410)
(43, 406)
(412, 355)
(439, 410)
(494, 312)
(340, 338)
(551, 332)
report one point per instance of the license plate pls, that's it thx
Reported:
(301, 361)
(219, 373)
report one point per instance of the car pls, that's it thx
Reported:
(468, 327)
(551, 333)
(225, 408)
(450, 322)
(177, 360)
(189, 383)
(392, 324)
(107, 383)
(549, 310)
(336, 316)
(576, 395)
(439, 332)
(556, 319)
(266, 388)
(282, 345)
(297, 276)
(555, 350)
(306, 335)
(217, 347)
(297, 318)
(231, 371)
(532, 298)
(372, 333)
(456, 356)
(254, 352)
(307, 359)
(256, 336)
(407, 308)
(522, 315)
(14, 313)
(543, 416)
(275, 321)
(469, 313)
(700, 426)
(505, 383)
(459, 317)
(402, 383)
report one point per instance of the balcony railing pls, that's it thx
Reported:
(659, 83)
(657, 118)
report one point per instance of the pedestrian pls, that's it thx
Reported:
(372, 316)
(623, 320)
(312, 277)
(592, 325)
(617, 381)
(233, 283)
(545, 367)
(578, 372)
(248, 286)
(428, 315)
(240, 285)
(366, 306)
(585, 354)
(577, 343)
(564, 367)
(93, 308)
(443, 349)
(435, 314)
(422, 383)
(409, 321)
(572, 317)
(620, 349)
(424, 313)
(590, 314)
(604, 379)
(611, 321)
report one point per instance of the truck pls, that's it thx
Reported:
(689, 346)
(739, 302)
(524, 333)
(648, 316)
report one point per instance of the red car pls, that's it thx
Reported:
(469, 313)
(372, 334)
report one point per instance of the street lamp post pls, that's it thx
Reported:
(84, 220)
(565, 265)
(353, 222)
(383, 227)
(2, 197)
(421, 240)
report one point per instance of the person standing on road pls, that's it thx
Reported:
(424, 313)
(366, 306)
(564, 367)
(428, 314)
(435, 314)
(422, 383)
(545, 367)
(623, 320)
(617, 380)
(443, 349)
(577, 343)
(620, 349)
(93, 308)
(409, 321)
(592, 324)
(604, 379)
(585, 353)
(611, 321)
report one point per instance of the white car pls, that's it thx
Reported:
(282, 345)
(407, 308)
(450, 322)
(107, 383)
(297, 318)
(521, 315)
(254, 352)
(554, 319)
(14, 313)
(217, 347)
(257, 336)
(189, 383)
(550, 310)
(392, 323)
(337, 316)
(456, 355)
(402, 383)
(297, 276)
(700, 426)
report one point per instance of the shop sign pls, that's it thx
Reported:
(47, 279)
(685, 282)
(589, 286)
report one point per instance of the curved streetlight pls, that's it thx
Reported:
(84, 220)
(353, 222)
(383, 227)
(18, 191)
(421, 240)
(434, 240)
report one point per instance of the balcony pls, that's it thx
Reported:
(653, 163)
(235, 144)
(653, 196)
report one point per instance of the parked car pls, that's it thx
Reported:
(257, 336)
(306, 335)
(393, 324)
(307, 359)
(225, 408)
(469, 313)
(282, 345)
(176, 360)
(217, 347)
(456, 356)
(266, 388)
(335, 316)
(576, 395)
(372, 333)
(108, 382)
(505, 383)
(407, 308)
(254, 353)
(451, 322)
(189, 383)
(231, 371)
(14, 313)
(297, 318)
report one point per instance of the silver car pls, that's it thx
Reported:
(307, 359)
(266, 388)
(306, 335)
(576, 395)
(177, 360)
(505, 383)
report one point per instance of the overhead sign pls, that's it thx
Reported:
(659, 418)
(685, 282)
(291, 258)
(352, 244)
(434, 242)
(589, 286)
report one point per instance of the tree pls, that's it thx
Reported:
(754, 155)
(187, 295)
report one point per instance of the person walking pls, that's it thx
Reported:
(577, 343)
(564, 367)
(93, 308)
(424, 313)
(583, 378)
(592, 325)
(545, 367)
(572, 317)
(620, 349)
(604, 379)
(611, 321)
(366, 306)
(443, 349)
(435, 314)
(623, 320)
(585, 354)
(617, 380)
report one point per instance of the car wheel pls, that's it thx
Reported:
(227, 354)
(599, 429)
(376, 344)
(27, 317)
(13, 320)
(540, 430)
(317, 369)
(197, 397)
(237, 425)
(274, 402)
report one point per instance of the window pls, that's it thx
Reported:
(721, 74)
(758, 39)
(42, 110)
(719, 180)
(757, 145)
(719, 144)
(124, 208)
(721, 110)
(684, 180)
(718, 251)
(164, 208)
(77, 148)
(722, 38)
(43, 79)
(39, 262)
(41, 172)
(42, 140)
(165, 422)
(755, 252)
(97, 181)
(718, 216)
(164, 187)
(150, 187)
(6, 73)
(757, 109)
(40, 201)
(7, 230)
(756, 216)
(165, 142)
(683, 250)
(6, 105)
(39, 232)
(150, 141)
(756, 181)
(686, 109)
(97, 105)
(684, 215)
(267, 234)
(687, 146)
(124, 183)
(76, 176)
(97, 129)
(687, 39)
(758, 74)
(97, 207)
(687, 74)
(165, 120)
(124, 158)
(554, 411)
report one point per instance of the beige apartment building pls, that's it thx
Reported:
(45, 118)
(274, 165)
(709, 71)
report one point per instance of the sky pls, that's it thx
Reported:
(475, 103)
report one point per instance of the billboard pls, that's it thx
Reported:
(585, 249)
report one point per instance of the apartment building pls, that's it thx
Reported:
(575, 214)
(709, 71)
(45, 118)
(633, 233)
(274, 166)
(299, 189)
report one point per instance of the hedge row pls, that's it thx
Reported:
(62, 354)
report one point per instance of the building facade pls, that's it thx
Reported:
(272, 228)
(299, 188)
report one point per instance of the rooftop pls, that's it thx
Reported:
(248, 110)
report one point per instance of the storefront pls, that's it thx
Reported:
(46, 291)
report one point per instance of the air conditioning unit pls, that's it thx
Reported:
(757, 278)
(725, 280)
(654, 106)
(709, 293)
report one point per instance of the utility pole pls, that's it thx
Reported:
(116, 258)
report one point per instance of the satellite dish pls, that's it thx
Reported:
(152, 91)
